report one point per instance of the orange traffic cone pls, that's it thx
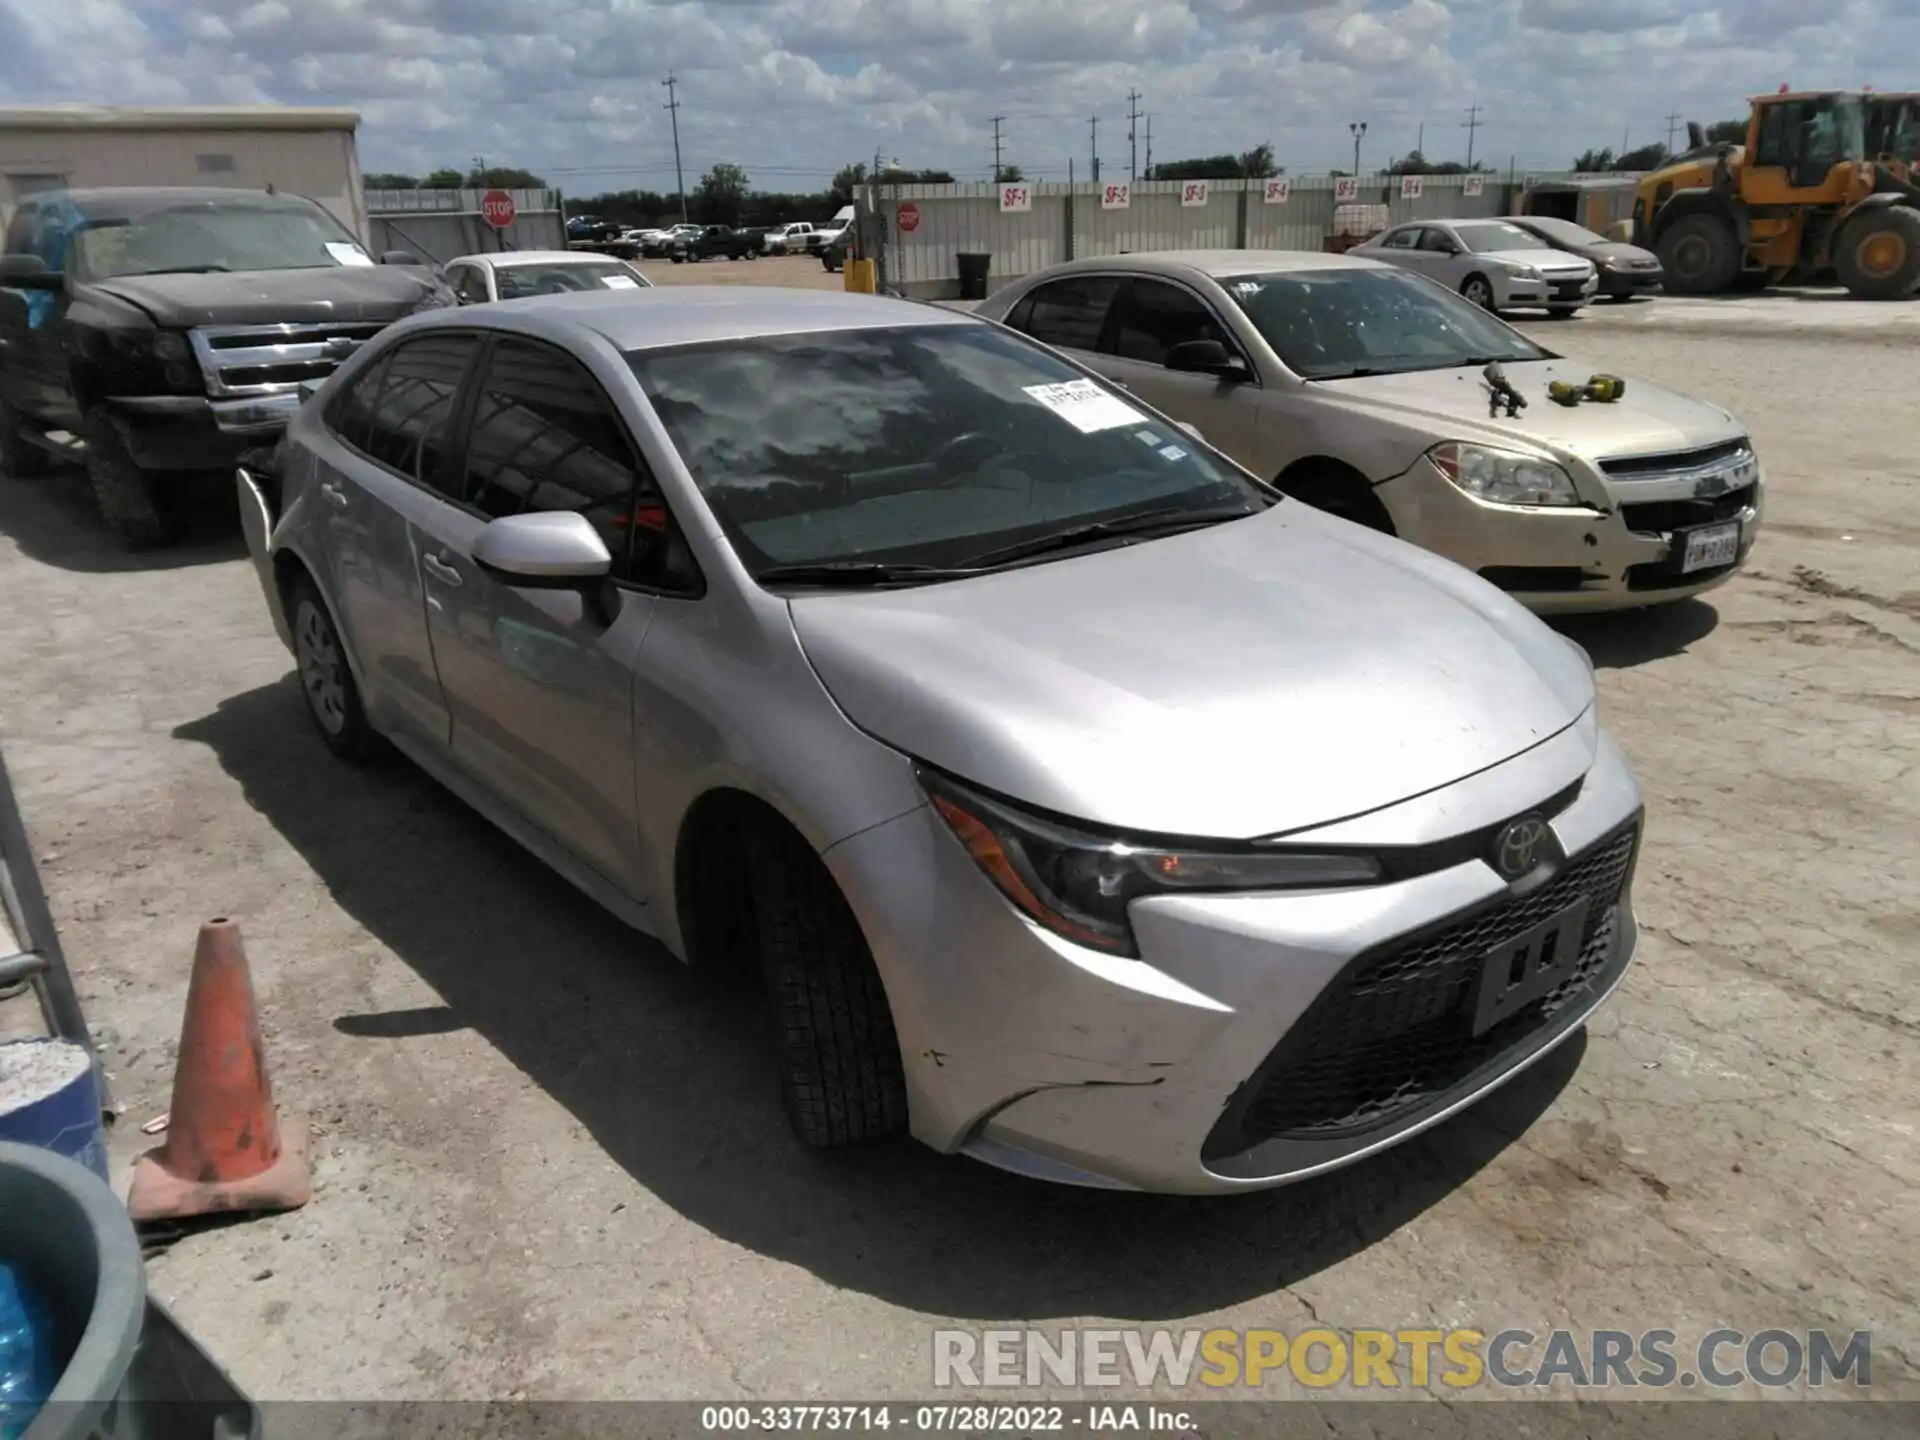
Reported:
(226, 1149)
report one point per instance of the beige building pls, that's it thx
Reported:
(308, 152)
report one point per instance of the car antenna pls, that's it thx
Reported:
(1500, 392)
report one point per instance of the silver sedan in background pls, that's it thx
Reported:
(1087, 806)
(1495, 264)
(1367, 392)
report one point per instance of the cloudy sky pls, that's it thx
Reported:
(791, 89)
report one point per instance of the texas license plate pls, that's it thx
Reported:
(1529, 966)
(1709, 546)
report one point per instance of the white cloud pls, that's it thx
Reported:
(791, 89)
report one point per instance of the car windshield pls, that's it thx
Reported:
(928, 445)
(1488, 238)
(216, 235)
(1338, 324)
(561, 276)
(1564, 231)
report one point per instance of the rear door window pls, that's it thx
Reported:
(1068, 314)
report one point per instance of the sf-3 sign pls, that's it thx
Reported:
(1193, 194)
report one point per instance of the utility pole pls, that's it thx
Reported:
(1472, 126)
(1093, 126)
(1358, 129)
(673, 112)
(1673, 124)
(1149, 144)
(1420, 145)
(1133, 146)
(996, 148)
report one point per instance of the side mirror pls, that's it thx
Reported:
(1205, 357)
(400, 257)
(549, 550)
(28, 272)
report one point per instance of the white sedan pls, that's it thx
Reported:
(515, 274)
(1496, 265)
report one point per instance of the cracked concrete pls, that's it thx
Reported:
(549, 1163)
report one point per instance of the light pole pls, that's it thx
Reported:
(1359, 129)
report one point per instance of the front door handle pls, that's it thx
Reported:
(334, 496)
(441, 571)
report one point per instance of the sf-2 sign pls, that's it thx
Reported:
(1193, 194)
(1116, 197)
(1278, 192)
(1015, 199)
(497, 209)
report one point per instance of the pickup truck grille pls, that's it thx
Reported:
(252, 360)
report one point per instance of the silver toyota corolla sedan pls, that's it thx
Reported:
(1088, 807)
(1366, 391)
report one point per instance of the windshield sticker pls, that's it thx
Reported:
(347, 254)
(619, 282)
(1247, 289)
(1085, 406)
(1147, 437)
(1172, 452)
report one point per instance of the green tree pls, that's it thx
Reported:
(444, 180)
(1011, 175)
(846, 180)
(1647, 157)
(721, 194)
(1727, 132)
(1593, 162)
(1257, 163)
(505, 177)
(390, 180)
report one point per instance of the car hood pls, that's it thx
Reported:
(1452, 405)
(1251, 679)
(1541, 259)
(264, 297)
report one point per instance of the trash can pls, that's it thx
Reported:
(974, 265)
(50, 1098)
(70, 1237)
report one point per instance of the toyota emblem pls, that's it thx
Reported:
(1520, 846)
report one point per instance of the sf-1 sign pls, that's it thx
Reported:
(1015, 199)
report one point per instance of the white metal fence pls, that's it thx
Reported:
(438, 225)
(1044, 224)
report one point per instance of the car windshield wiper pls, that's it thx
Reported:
(860, 572)
(1166, 520)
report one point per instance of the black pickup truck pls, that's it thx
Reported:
(152, 333)
(714, 241)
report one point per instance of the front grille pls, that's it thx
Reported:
(1662, 517)
(1392, 1033)
(244, 360)
(1568, 289)
(1675, 463)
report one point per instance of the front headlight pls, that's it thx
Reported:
(1505, 477)
(170, 345)
(1078, 883)
(1519, 269)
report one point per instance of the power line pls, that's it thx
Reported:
(997, 166)
(1133, 148)
(1472, 127)
(673, 113)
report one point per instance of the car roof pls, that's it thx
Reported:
(505, 259)
(667, 315)
(1213, 263)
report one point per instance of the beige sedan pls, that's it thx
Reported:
(1387, 399)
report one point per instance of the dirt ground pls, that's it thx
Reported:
(551, 1164)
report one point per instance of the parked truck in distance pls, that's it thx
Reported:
(154, 333)
(714, 241)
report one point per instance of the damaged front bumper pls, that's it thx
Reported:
(1042, 1057)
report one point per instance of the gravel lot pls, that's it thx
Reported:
(550, 1163)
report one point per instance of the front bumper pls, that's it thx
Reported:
(1617, 283)
(1549, 292)
(1565, 560)
(189, 432)
(1035, 1055)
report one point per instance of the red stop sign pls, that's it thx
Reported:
(909, 217)
(497, 209)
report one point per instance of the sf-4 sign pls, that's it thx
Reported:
(1015, 199)
(1278, 192)
(1411, 186)
(1116, 197)
(1346, 188)
(1193, 193)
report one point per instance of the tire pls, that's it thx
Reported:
(1338, 491)
(327, 685)
(1562, 312)
(130, 499)
(840, 1073)
(1701, 255)
(20, 458)
(1878, 254)
(1479, 291)
(679, 259)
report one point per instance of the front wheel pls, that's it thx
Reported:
(1701, 255)
(1878, 256)
(130, 499)
(1478, 291)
